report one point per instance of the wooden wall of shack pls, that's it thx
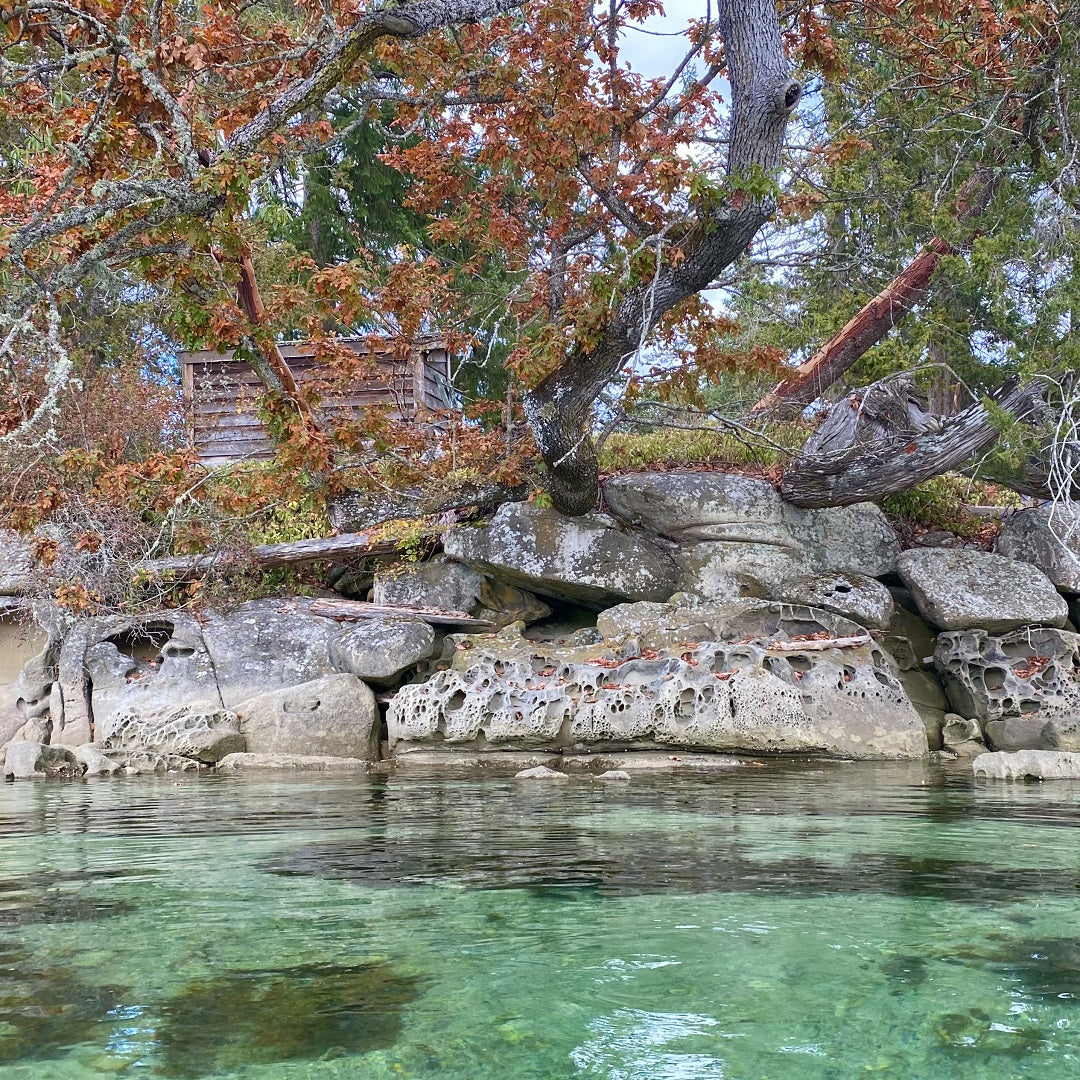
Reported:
(221, 393)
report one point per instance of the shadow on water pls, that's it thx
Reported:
(56, 897)
(45, 1008)
(262, 1017)
(592, 864)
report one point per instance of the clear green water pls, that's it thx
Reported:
(786, 922)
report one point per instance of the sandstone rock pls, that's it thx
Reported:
(742, 512)
(724, 570)
(1015, 733)
(266, 645)
(967, 589)
(1047, 536)
(420, 758)
(854, 539)
(34, 761)
(114, 668)
(136, 762)
(541, 772)
(962, 737)
(24, 648)
(1025, 672)
(926, 693)
(205, 734)
(717, 693)
(94, 762)
(1061, 733)
(585, 558)
(646, 761)
(451, 586)
(300, 762)
(333, 716)
(909, 640)
(855, 596)
(380, 649)
(701, 506)
(1028, 765)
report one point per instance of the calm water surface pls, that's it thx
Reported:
(788, 922)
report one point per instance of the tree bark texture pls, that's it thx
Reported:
(870, 325)
(559, 409)
(880, 462)
(271, 556)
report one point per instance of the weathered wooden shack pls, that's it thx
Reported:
(221, 392)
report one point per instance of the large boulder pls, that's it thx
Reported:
(1027, 765)
(1049, 537)
(266, 645)
(721, 515)
(585, 559)
(966, 589)
(25, 760)
(1025, 673)
(447, 585)
(333, 716)
(855, 596)
(740, 683)
(378, 650)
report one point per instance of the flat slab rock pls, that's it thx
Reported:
(964, 589)
(1028, 765)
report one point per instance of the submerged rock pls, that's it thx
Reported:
(306, 1013)
(540, 772)
(1028, 765)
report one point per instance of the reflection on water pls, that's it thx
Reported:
(796, 921)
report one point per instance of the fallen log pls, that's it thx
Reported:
(877, 317)
(271, 556)
(360, 609)
(818, 644)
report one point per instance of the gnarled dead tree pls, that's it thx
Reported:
(881, 440)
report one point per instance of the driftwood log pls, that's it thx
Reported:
(359, 609)
(272, 556)
(880, 440)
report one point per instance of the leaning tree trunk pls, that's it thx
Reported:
(879, 442)
(876, 318)
(559, 410)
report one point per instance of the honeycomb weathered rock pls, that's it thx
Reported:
(743, 693)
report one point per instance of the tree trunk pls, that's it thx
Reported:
(870, 325)
(559, 410)
(881, 462)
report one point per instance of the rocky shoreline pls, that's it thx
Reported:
(701, 617)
